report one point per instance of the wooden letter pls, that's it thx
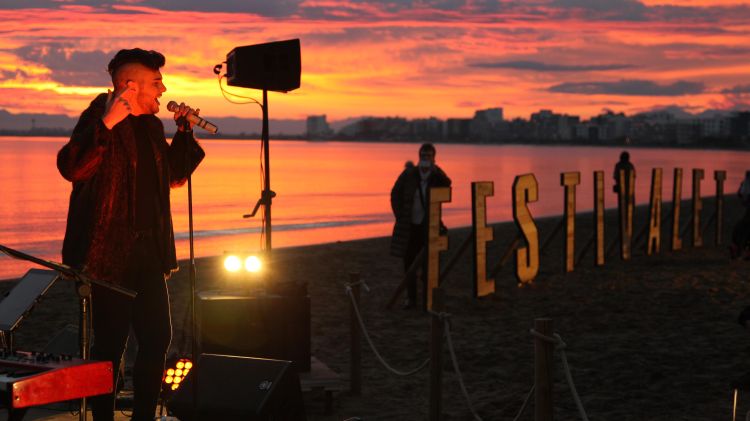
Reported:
(626, 199)
(697, 207)
(676, 200)
(654, 214)
(482, 235)
(570, 180)
(599, 216)
(435, 242)
(525, 190)
(719, 176)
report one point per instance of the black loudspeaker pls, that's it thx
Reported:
(239, 388)
(274, 66)
(263, 326)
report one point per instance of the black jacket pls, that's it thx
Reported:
(101, 164)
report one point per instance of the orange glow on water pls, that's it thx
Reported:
(327, 191)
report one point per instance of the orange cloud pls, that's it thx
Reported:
(375, 58)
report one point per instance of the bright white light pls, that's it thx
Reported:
(252, 264)
(232, 263)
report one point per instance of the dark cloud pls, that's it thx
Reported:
(68, 65)
(629, 87)
(260, 7)
(739, 89)
(13, 74)
(606, 9)
(538, 66)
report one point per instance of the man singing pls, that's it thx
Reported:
(119, 226)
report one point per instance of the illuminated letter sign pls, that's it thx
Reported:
(625, 211)
(719, 176)
(570, 180)
(527, 258)
(482, 235)
(654, 214)
(676, 201)
(599, 217)
(435, 242)
(697, 207)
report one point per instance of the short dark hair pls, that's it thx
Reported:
(624, 156)
(427, 147)
(151, 59)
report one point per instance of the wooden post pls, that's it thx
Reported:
(543, 371)
(436, 356)
(355, 362)
(507, 255)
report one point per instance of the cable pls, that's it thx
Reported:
(224, 93)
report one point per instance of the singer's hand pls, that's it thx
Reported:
(184, 111)
(118, 105)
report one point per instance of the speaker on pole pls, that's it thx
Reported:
(239, 388)
(273, 66)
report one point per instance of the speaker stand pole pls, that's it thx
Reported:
(267, 193)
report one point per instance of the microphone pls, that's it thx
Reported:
(197, 120)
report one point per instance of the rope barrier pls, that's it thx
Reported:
(525, 403)
(455, 367)
(369, 341)
(559, 343)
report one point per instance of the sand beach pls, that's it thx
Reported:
(653, 338)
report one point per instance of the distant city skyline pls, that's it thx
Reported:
(441, 58)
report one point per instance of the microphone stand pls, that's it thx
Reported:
(83, 289)
(185, 124)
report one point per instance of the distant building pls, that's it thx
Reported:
(318, 128)
(548, 126)
(457, 129)
(427, 129)
(377, 128)
(486, 126)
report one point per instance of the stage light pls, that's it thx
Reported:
(252, 264)
(232, 263)
(175, 372)
(246, 262)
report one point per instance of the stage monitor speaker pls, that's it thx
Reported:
(239, 388)
(274, 66)
(264, 326)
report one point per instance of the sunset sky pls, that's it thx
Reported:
(409, 58)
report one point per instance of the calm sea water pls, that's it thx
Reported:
(327, 191)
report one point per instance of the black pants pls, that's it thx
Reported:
(417, 241)
(148, 314)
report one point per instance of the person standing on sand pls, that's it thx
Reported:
(623, 165)
(409, 203)
(119, 226)
(741, 231)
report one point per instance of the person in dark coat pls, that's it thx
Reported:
(623, 164)
(741, 231)
(410, 206)
(119, 226)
